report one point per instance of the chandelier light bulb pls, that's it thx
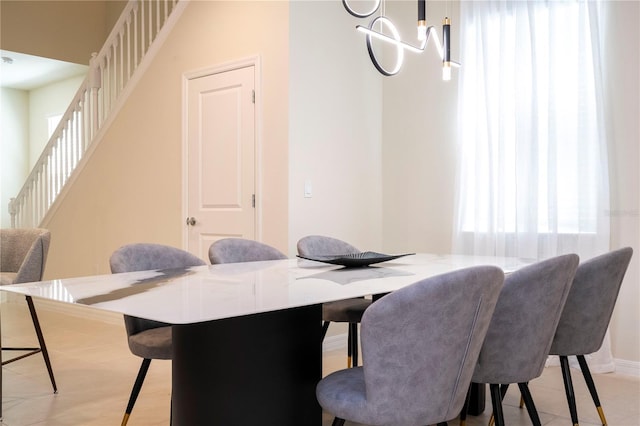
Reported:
(446, 49)
(446, 72)
(422, 30)
(422, 20)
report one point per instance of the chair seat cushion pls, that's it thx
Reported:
(153, 344)
(7, 278)
(342, 393)
(349, 310)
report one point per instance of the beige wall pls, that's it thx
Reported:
(65, 30)
(131, 188)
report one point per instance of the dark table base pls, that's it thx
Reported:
(259, 369)
(477, 398)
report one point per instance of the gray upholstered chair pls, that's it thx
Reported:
(148, 339)
(519, 337)
(346, 311)
(420, 345)
(586, 316)
(23, 255)
(235, 250)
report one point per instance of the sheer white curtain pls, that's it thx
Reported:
(533, 176)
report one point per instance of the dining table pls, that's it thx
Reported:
(247, 344)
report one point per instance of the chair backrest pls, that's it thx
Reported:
(590, 303)
(522, 328)
(23, 254)
(319, 245)
(234, 250)
(421, 343)
(145, 257)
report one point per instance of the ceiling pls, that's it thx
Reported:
(27, 72)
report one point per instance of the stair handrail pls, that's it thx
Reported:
(110, 71)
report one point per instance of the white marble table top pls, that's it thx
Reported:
(206, 293)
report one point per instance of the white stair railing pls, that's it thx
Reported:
(110, 71)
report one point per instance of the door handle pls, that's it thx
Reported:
(191, 221)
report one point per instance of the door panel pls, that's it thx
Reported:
(220, 158)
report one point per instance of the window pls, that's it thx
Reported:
(533, 156)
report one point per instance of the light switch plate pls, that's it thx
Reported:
(308, 189)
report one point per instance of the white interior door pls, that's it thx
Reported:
(220, 158)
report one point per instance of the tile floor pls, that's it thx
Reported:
(95, 371)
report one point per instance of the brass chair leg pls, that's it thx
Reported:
(144, 367)
(568, 388)
(528, 401)
(43, 345)
(496, 402)
(325, 327)
(125, 419)
(601, 414)
(465, 408)
(592, 387)
(349, 347)
(354, 343)
(503, 392)
(42, 349)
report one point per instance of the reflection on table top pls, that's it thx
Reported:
(204, 293)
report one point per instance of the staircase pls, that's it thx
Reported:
(113, 72)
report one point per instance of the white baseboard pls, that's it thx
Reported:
(79, 311)
(627, 368)
(334, 343)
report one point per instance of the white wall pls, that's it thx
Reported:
(45, 101)
(335, 128)
(419, 128)
(14, 138)
(377, 150)
(23, 133)
(621, 44)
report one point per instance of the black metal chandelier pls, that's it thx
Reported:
(392, 36)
